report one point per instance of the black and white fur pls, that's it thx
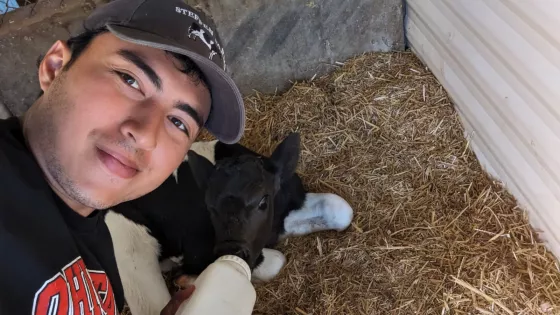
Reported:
(167, 227)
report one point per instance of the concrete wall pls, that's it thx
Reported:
(500, 62)
(267, 43)
(27, 33)
(4, 112)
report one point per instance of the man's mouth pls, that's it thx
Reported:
(117, 164)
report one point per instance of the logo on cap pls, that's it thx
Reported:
(200, 30)
(195, 31)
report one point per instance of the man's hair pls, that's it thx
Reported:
(79, 43)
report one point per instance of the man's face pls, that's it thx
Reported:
(117, 123)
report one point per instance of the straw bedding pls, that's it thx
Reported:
(432, 233)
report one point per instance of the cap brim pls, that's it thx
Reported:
(227, 115)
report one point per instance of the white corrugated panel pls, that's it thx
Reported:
(500, 62)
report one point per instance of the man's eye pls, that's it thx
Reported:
(179, 124)
(129, 80)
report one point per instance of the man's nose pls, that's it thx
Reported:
(143, 126)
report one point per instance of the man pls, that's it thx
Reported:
(122, 103)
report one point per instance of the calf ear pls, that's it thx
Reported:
(285, 157)
(201, 168)
(223, 151)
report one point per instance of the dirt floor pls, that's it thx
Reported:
(432, 234)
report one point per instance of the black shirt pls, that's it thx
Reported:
(52, 259)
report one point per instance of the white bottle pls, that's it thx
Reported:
(222, 288)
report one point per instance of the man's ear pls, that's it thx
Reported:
(53, 63)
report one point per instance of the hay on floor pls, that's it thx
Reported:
(432, 234)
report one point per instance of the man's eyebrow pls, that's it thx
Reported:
(191, 112)
(142, 65)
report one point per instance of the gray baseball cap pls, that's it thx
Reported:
(174, 26)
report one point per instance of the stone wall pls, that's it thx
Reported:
(267, 44)
(27, 33)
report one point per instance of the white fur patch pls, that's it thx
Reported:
(168, 264)
(136, 253)
(320, 212)
(176, 174)
(205, 148)
(271, 266)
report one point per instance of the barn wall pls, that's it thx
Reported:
(267, 45)
(500, 62)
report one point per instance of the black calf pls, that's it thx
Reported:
(178, 217)
(290, 196)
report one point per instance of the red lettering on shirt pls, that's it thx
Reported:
(75, 275)
(76, 290)
(105, 291)
(53, 297)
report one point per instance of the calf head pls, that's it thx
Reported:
(239, 194)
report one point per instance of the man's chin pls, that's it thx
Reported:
(104, 191)
(99, 197)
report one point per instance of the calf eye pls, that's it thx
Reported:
(263, 204)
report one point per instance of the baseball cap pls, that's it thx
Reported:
(174, 26)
